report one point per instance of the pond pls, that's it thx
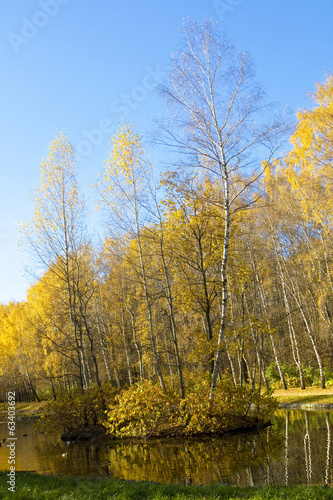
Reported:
(296, 449)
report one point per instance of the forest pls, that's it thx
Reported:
(218, 268)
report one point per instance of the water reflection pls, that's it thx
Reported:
(286, 452)
(307, 447)
(328, 447)
(295, 450)
(197, 461)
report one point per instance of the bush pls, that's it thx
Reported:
(328, 374)
(144, 410)
(76, 409)
(233, 407)
(291, 374)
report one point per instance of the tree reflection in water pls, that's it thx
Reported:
(328, 448)
(286, 449)
(307, 449)
(290, 452)
(295, 450)
(197, 461)
(307, 435)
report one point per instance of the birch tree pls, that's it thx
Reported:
(124, 191)
(57, 239)
(216, 125)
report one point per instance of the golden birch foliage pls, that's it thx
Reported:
(58, 208)
(124, 186)
(125, 166)
(49, 315)
(309, 166)
(20, 350)
(8, 334)
(300, 191)
(193, 238)
(124, 283)
(126, 154)
(31, 354)
(41, 307)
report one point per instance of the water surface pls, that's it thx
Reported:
(295, 450)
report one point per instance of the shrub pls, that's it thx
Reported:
(233, 407)
(316, 376)
(291, 374)
(75, 409)
(144, 410)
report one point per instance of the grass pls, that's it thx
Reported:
(24, 409)
(37, 487)
(309, 395)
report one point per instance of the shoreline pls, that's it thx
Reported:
(306, 406)
(312, 398)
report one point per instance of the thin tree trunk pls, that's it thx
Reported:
(103, 349)
(233, 372)
(83, 314)
(293, 338)
(294, 293)
(150, 316)
(264, 306)
(31, 386)
(168, 357)
(130, 312)
(115, 370)
(224, 282)
(83, 362)
(126, 348)
(172, 317)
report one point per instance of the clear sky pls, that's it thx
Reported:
(82, 66)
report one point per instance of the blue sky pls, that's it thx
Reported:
(81, 67)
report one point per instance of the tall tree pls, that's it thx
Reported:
(57, 239)
(124, 191)
(215, 121)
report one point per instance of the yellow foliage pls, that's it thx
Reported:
(145, 410)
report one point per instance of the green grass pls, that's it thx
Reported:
(306, 399)
(38, 487)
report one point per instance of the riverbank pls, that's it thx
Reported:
(24, 409)
(312, 398)
(39, 487)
